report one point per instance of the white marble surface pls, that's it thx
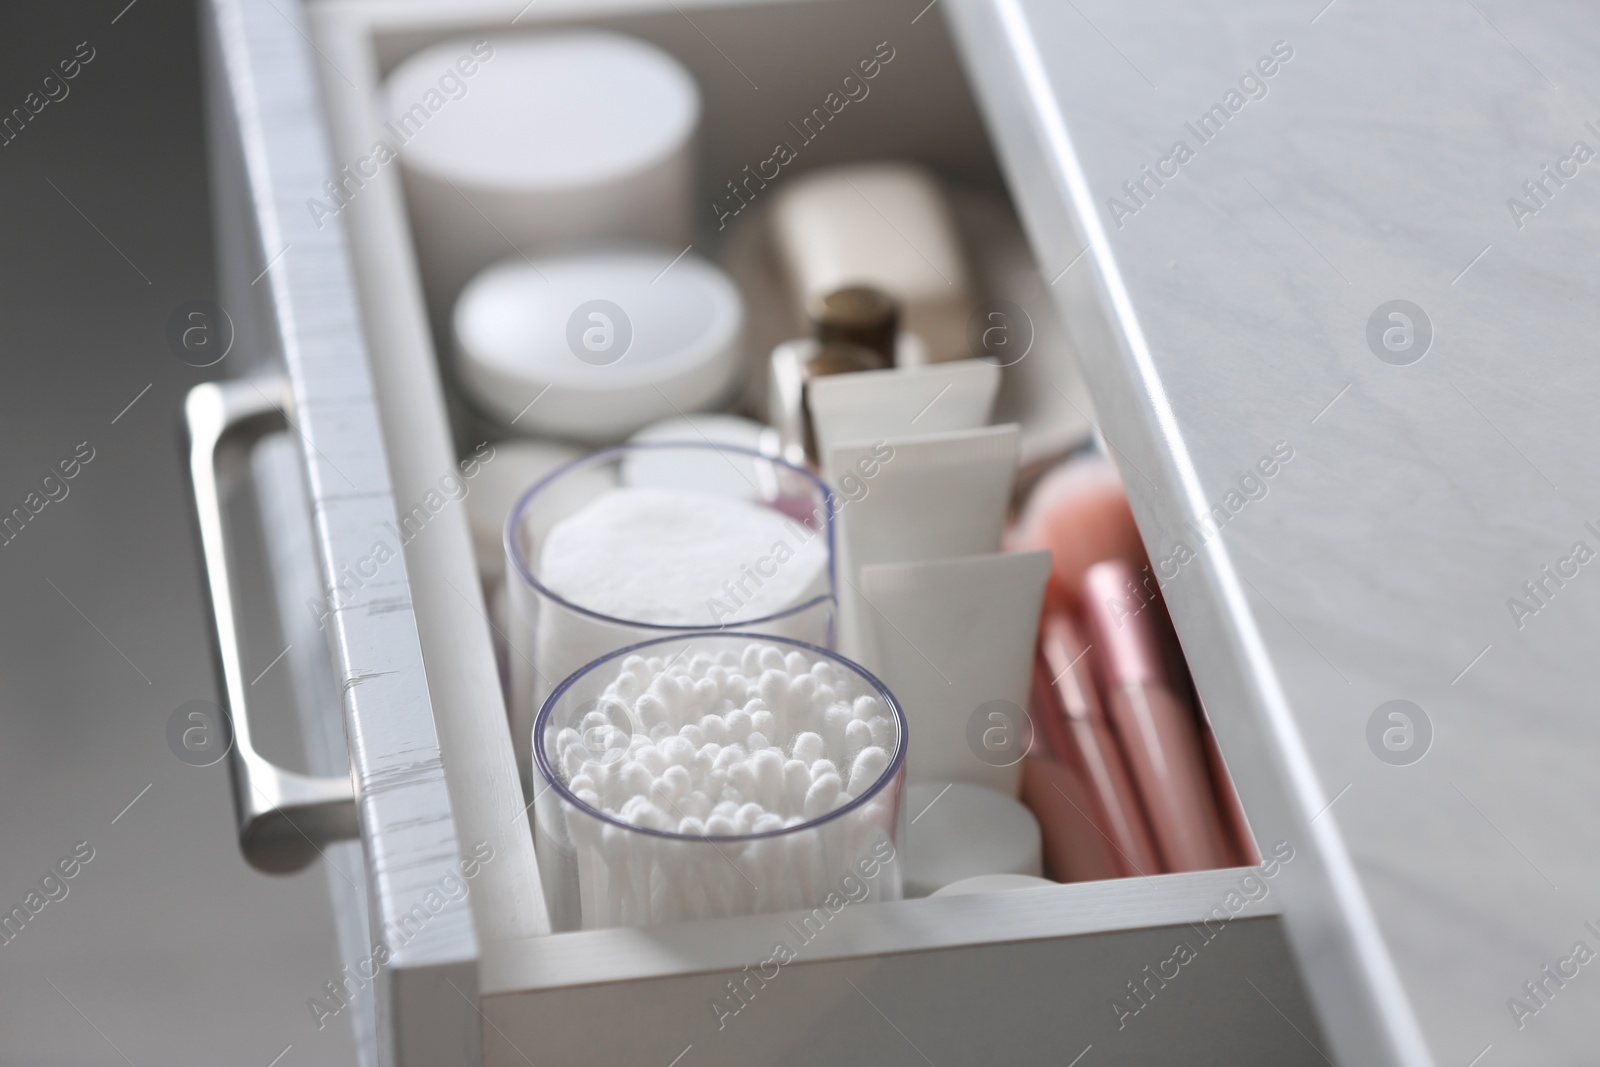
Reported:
(1379, 564)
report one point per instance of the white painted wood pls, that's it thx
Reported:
(1023, 1003)
(291, 559)
(269, 152)
(591, 957)
(453, 622)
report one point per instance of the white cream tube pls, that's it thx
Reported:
(953, 640)
(876, 404)
(917, 498)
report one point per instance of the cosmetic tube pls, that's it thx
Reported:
(930, 497)
(1159, 733)
(954, 638)
(795, 366)
(871, 405)
(1094, 828)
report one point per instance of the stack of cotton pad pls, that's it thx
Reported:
(663, 558)
(699, 747)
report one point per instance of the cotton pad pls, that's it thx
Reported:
(682, 559)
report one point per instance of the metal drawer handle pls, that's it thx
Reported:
(285, 818)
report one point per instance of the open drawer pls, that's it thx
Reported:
(1191, 967)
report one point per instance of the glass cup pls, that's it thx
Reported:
(551, 636)
(624, 825)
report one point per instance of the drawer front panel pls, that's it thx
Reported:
(1236, 1000)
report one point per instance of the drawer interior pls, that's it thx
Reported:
(1014, 958)
(791, 56)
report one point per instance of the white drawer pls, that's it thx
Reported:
(1088, 970)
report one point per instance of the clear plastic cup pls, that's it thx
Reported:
(552, 636)
(605, 861)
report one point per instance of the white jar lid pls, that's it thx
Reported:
(500, 481)
(592, 346)
(958, 830)
(991, 883)
(543, 113)
(703, 471)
